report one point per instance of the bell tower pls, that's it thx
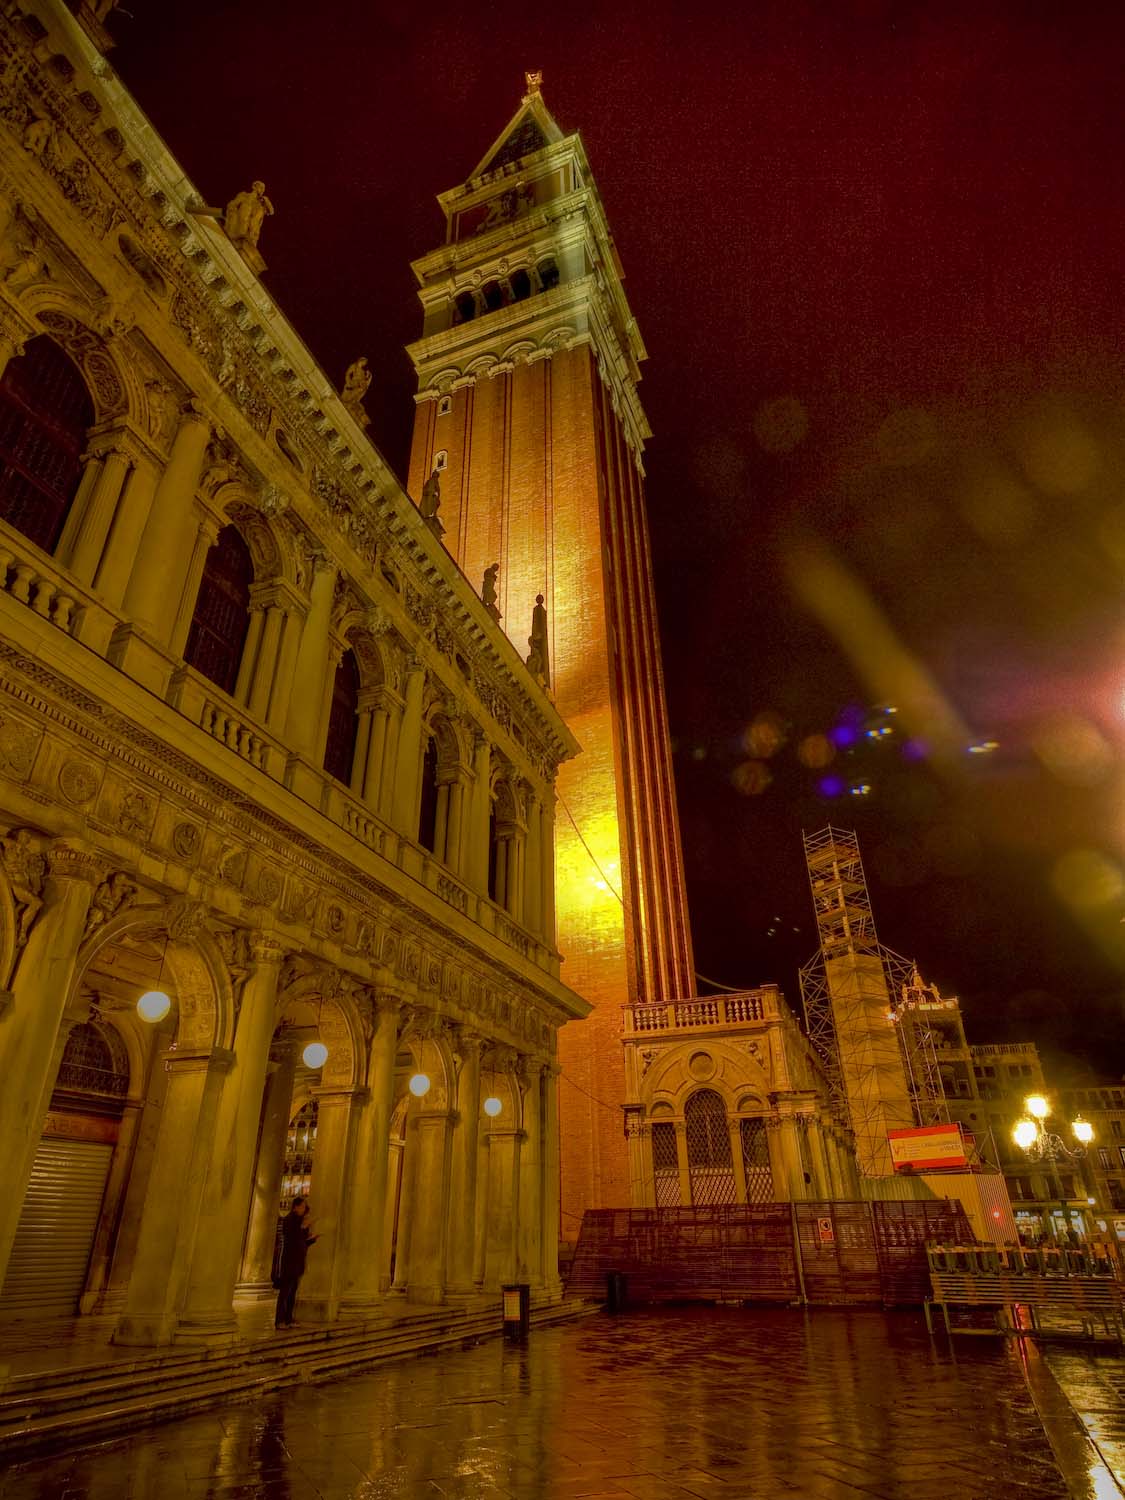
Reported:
(527, 404)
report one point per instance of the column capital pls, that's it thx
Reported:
(265, 949)
(66, 861)
(198, 1060)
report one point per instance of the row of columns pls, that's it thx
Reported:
(479, 1199)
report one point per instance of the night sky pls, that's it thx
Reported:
(875, 252)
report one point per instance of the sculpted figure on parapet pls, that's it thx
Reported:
(488, 590)
(537, 659)
(356, 383)
(245, 215)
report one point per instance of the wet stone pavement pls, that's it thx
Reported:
(671, 1404)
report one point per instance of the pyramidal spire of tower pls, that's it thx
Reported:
(530, 129)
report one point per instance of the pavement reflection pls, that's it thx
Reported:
(675, 1404)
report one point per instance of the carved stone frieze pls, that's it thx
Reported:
(19, 743)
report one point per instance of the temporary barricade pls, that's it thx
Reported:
(819, 1252)
(1084, 1279)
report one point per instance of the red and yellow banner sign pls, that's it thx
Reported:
(927, 1147)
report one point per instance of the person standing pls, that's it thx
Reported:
(296, 1237)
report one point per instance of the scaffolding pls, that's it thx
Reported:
(864, 1009)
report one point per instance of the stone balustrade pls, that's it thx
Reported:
(745, 1008)
(30, 578)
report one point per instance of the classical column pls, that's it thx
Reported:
(409, 757)
(388, 771)
(549, 1206)
(359, 755)
(370, 1206)
(547, 870)
(100, 509)
(734, 1125)
(157, 581)
(207, 1313)
(788, 1167)
(91, 471)
(261, 1231)
(105, 1239)
(683, 1163)
(266, 664)
(818, 1165)
(463, 1168)
(480, 809)
(332, 1177)
(428, 1224)
(336, 648)
(529, 1258)
(112, 575)
(375, 702)
(533, 875)
(169, 1220)
(32, 1036)
(281, 697)
(206, 535)
(250, 649)
(454, 832)
(312, 655)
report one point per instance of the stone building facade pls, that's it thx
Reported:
(262, 748)
(727, 1104)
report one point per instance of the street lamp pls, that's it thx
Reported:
(1040, 1144)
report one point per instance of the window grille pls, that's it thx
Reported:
(222, 611)
(94, 1062)
(756, 1161)
(708, 1149)
(45, 411)
(665, 1164)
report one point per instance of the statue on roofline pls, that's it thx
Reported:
(245, 215)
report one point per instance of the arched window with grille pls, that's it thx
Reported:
(45, 412)
(222, 611)
(756, 1161)
(427, 807)
(343, 722)
(708, 1148)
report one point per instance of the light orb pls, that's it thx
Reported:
(153, 1006)
(1083, 1131)
(493, 1106)
(419, 1085)
(1037, 1106)
(1024, 1134)
(315, 1055)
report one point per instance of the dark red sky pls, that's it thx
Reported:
(907, 217)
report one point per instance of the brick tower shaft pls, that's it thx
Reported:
(528, 406)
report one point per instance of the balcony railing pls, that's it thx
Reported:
(710, 1011)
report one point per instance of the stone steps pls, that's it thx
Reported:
(77, 1406)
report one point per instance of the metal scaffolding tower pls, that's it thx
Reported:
(861, 1009)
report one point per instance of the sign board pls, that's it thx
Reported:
(927, 1147)
(826, 1231)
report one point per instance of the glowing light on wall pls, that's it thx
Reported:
(315, 1055)
(492, 1107)
(419, 1085)
(153, 1006)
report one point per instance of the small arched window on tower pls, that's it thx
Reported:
(520, 283)
(493, 295)
(548, 273)
(441, 460)
(427, 806)
(222, 611)
(343, 720)
(444, 406)
(45, 411)
(464, 308)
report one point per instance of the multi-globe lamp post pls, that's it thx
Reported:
(1039, 1143)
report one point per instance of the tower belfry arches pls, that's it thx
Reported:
(528, 369)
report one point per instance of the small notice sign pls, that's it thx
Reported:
(512, 1304)
(826, 1231)
(927, 1148)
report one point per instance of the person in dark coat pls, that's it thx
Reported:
(296, 1237)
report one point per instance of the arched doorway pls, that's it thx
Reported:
(63, 1204)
